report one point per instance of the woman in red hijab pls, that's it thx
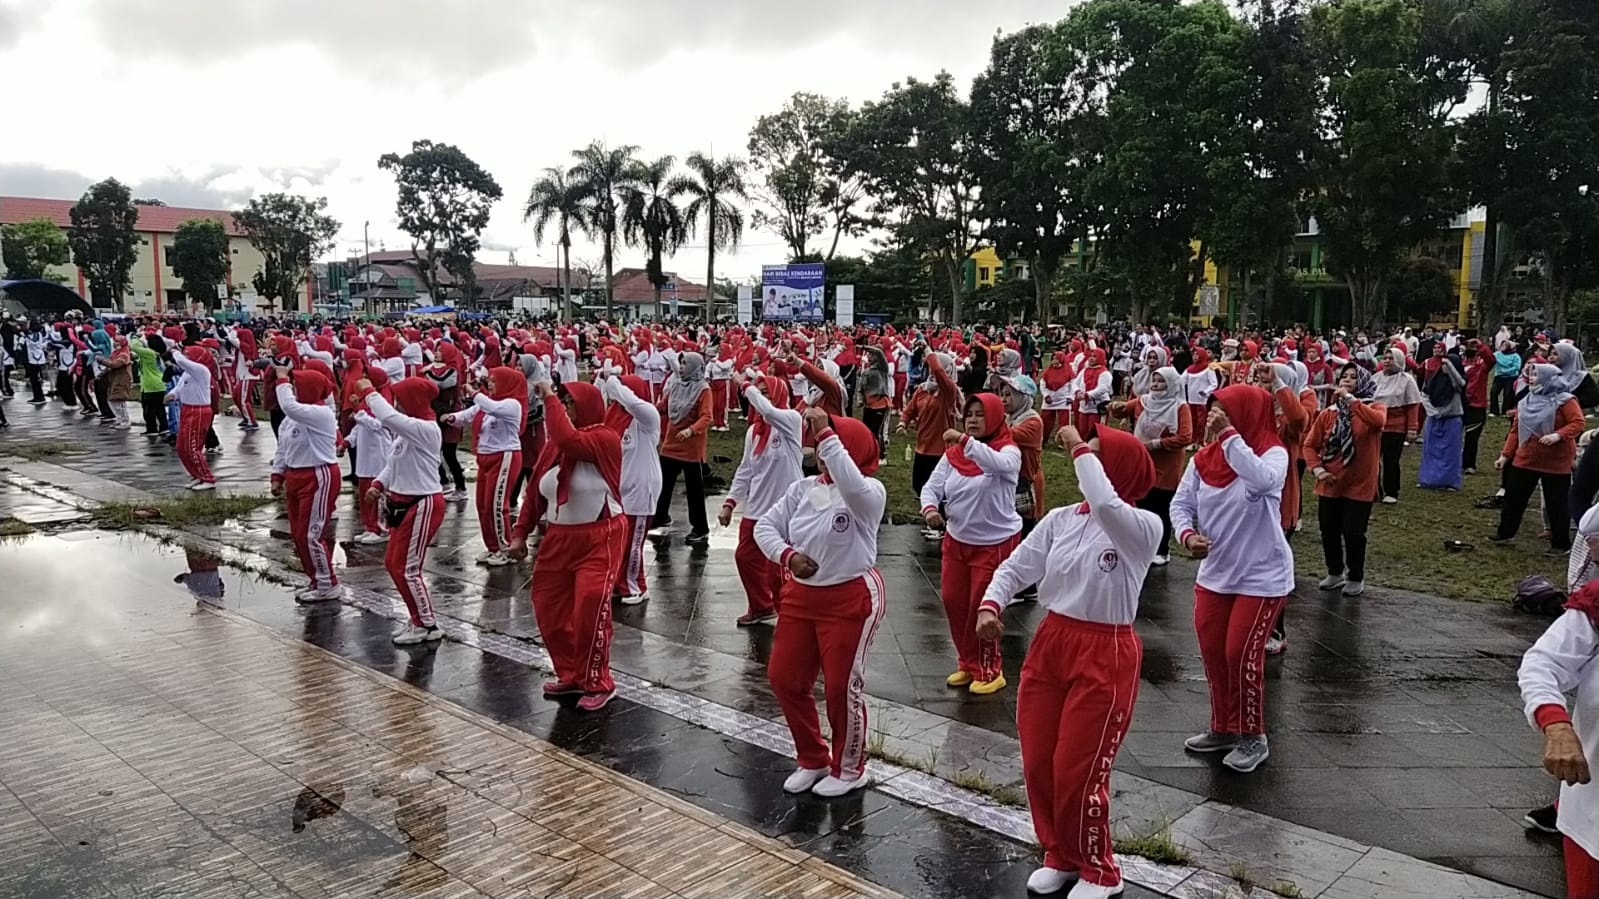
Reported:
(1080, 679)
(576, 491)
(448, 374)
(497, 416)
(1057, 388)
(974, 485)
(1094, 386)
(305, 472)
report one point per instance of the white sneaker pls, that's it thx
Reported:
(1086, 890)
(1276, 645)
(658, 532)
(368, 537)
(831, 787)
(494, 560)
(1389, 500)
(1158, 562)
(313, 595)
(411, 635)
(1354, 588)
(803, 779)
(203, 486)
(456, 496)
(633, 599)
(1048, 880)
(1331, 582)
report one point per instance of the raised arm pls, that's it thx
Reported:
(637, 407)
(1134, 533)
(313, 414)
(1005, 462)
(1265, 473)
(417, 430)
(1025, 565)
(865, 497)
(790, 422)
(771, 530)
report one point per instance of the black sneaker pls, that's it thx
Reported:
(698, 538)
(1541, 819)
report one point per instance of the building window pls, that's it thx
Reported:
(172, 259)
(982, 273)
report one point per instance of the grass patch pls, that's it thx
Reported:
(1405, 549)
(184, 511)
(1240, 872)
(1288, 889)
(1157, 846)
(11, 527)
(38, 450)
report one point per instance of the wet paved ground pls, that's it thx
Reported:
(1395, 718)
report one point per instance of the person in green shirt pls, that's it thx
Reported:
(147, 355)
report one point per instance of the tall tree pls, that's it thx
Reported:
(652, 219)
(804, 192)
(32, 247)
(444, 203)
(104, 241)
(289, 231)
(1382, 174)
(912, 150)
(603, 174)
(712, 186)
(199, 255)
(556, 200)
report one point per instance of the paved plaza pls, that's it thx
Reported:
(210, 737)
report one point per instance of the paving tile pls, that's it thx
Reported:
(1272, 850)
(1381, 874)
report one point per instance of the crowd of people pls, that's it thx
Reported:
(1201, 439)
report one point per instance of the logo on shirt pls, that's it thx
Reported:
(1108, 560)
(840, 523)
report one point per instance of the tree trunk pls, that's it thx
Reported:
(953, 271)
(710, 272)
(566, 282)
(609, 236)
(1041, 283)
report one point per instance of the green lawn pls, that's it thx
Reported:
(1406, 549)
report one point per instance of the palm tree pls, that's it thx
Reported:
(602, 175)
(557, 199)
(713, 184)
(651, 217)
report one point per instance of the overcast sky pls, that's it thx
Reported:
(208, 102)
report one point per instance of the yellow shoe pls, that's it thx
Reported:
(985, 687)
(958, 679)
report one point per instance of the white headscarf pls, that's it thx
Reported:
(683, 392)
(1159, 416)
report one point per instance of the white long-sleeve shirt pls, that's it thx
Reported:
(1095, 387)
(641, 465)
(1249, 556)
(1089, 566)
(834, 523)
(412, 468)
(394, 368)
(566, 364)
(718, 369)
(502, 428)
(978, 510)
(1566, 659)
(1060, 399)
(306, 438)
(241, 362)
(586, 495)
(761, 481)
(1198, 387)
(372, 444)
(194, 385)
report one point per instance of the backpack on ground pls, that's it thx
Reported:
(1537, 595)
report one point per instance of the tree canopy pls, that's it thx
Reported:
(32, 247)
(290, 232)
(444, 203)
(104, 241)
(199, 255)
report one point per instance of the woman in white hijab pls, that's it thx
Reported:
(1397, 392)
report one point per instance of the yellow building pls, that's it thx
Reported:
(153, 287)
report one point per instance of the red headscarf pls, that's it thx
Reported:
(414, 396)
(246, 339)
(858, 442)
(1201, 360)
(505, 383)
(1096, 358)
(1254, 416)
(354, 370)
(390, 348)
(997, 439)
(1059, 373)
(1586, 600)
(311, 387)
(321, 368)
(777, 394)
(581, 438)
(380, 383)
(1127, 463)
(617, 418)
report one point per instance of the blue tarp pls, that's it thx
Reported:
(432, 310)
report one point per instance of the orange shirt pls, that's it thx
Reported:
(1557, 459)
(1291, 421)
(1029, 438)
(932, 412)
(1403, 419)
(1359, 480)
(693, 448)
(1172, 457)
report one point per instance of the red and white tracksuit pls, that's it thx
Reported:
(411, 471)
(718, 372)
(1080, 679)
(760, 481)
(1093, 387)
(371, 444)
(641, 482)
(982, 530)
(499, 460)
(830, 619)
(193, 393)
(305, 460)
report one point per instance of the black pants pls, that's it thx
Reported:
(5, 381)
(1519, 483)
(275, 417)
(1503, 386)
(36, 381)
(1393, 445)
(154, 405)
(921, 470)
(694, 480)
(1474, 418)
(876, 419)
(65, 389)
(451, 469)
(101, 390)
(1343, 534)
(1158, 501)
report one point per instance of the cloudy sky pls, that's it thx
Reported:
(208, 102)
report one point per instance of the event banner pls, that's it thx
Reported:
(792, 292)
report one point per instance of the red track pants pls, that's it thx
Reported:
(243, 389)
(407, 550)
(193, 423)
(719, 403)
(310, 495)
(1582, 873)
(963, 575)
(827, 631)
(630, 573)
(1073, 707)
(762, 578)
(371, 521)
(1232, 643)
(572, 599)
(900, 380)
(1085, 423)
(1196, 414)
(496, 475)
(1054, 420)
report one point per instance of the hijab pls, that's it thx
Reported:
(1569, 358)
(1535, 416)
(506, 383)
(380, 382)
(1159, 415)
(414, 396)
(777, 395)
(1127, 464)
(1398, 388)
(1201, 361)
(1059, 373)
(997, 438)
(1341, 440)
(683, 392)
(617, 418)
(584, 439)
(311, 387)
(858, 442)
(1253, 415)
